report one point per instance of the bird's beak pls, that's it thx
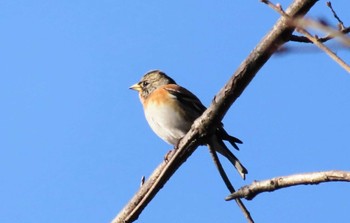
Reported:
(135, 87)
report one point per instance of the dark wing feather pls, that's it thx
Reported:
(189, 101)
(196, 109)
(231, 139)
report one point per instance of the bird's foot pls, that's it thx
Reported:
(168, 155)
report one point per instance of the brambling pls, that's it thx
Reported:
(170, 111)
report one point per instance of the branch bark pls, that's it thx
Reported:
(250, 191)
(300, 23)
(279, 34)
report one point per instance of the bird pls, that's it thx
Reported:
(171, 109)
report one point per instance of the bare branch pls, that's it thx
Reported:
(303, 39)
(279, 34)
(299, 24)
(250, 191)
(325, 49)
(229, 185)
(332, 32)
(341, 24)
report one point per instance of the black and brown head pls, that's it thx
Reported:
(151, 81)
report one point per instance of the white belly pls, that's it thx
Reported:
(167, 123)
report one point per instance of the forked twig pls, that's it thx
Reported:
(300, 28)
(250, 191)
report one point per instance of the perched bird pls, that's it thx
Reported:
(170, 111)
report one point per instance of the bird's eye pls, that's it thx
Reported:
(144, 83)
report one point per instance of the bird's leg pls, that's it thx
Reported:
(177, 144)
(169, 154)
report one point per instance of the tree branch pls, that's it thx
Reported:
(300, 23)
(279, 34)
(332, 33)
(323, 47)
(229, 184)
(250, 191)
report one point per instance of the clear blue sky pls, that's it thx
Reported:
(74, 141)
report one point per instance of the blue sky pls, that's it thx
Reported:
(74, 141)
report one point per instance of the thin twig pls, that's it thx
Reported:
(229, 184)
(300, 29)
(341, 24)
(337, 59)
(332, 33)
(250, 191)
(303, 39)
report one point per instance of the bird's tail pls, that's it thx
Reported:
(218, 145)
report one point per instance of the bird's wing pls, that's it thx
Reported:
(195, 108)
(188, 100)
